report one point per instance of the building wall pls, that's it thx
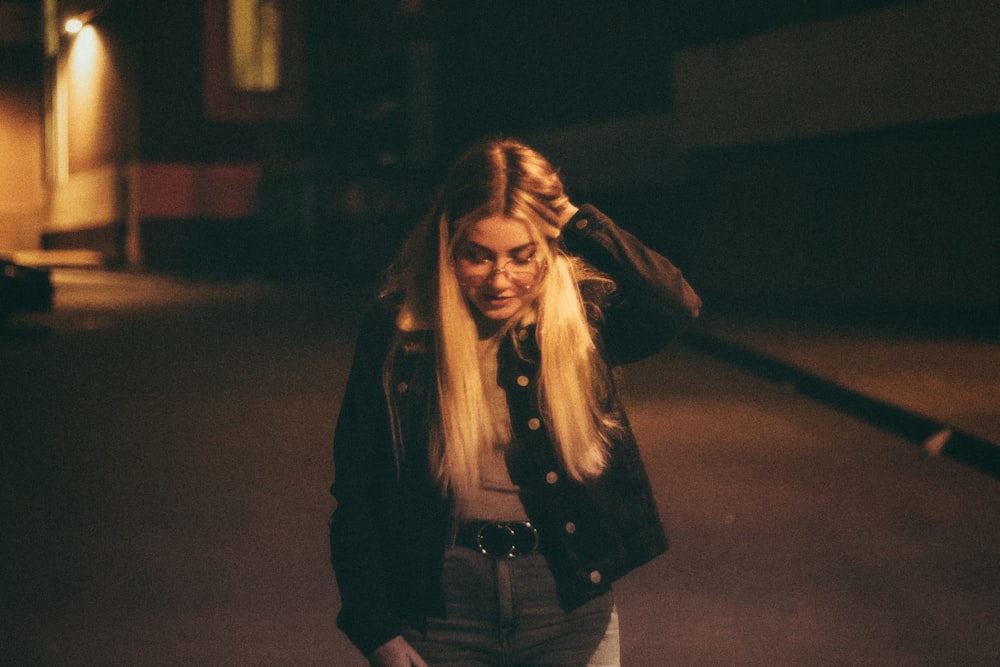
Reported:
(846, 165)
(882, 224)
(146, 177)
(916, 63)
(95, 136)
(851, 163)
(22, 188)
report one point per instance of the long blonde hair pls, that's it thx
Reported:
(508, 179)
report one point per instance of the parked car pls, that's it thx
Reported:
(24, 289)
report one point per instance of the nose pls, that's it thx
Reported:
(496, 274)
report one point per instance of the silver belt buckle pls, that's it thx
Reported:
(506, 540)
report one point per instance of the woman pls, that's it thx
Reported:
(488, 485)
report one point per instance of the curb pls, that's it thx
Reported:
(933, 436)
(54, 259)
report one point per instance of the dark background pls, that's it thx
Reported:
(885, 216)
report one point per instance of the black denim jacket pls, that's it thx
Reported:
(389, 530)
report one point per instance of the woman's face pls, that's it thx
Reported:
(496, 264)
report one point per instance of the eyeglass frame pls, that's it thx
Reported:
(477, 281)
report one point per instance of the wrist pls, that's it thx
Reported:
(566, 213)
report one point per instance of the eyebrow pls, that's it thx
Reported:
(510, 251)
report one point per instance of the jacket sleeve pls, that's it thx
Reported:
(652, 301)
(362, 455)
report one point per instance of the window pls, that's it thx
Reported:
(255, 45)
(253, 60)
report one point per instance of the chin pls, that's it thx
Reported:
(493, 316)
(499, 315)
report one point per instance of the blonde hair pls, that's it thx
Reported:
(508, 179)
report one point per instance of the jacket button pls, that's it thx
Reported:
(582, 223)
(570, 527)
(595, 577)
(534, 423)
(402, 387)
(551, 477)
(523, 380)
(522, 334)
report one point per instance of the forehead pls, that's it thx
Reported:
(499, 234)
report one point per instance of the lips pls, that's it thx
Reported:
(495, 304)
(498, 301)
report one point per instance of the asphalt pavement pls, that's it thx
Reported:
(165, 456)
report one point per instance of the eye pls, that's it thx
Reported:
(525, 256)
(474, 255)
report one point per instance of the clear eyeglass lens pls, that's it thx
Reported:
(523, 273)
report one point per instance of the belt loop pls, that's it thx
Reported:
(453, 526)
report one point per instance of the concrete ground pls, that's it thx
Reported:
(165, 455)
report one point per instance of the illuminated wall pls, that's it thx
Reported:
(93, 135)
(99, 119)
(22, 190)
(142, 174)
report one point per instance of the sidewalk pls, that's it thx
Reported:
(940, 392)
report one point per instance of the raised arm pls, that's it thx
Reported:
(652, 302)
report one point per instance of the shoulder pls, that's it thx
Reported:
(378, 320)
(376, 332)
(387, 331)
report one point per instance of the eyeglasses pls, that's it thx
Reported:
(523, 273)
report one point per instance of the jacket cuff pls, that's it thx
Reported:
(368, 631)
(586, 219)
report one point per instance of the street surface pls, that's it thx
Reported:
(165, 458)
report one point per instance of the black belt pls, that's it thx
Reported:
(498, 539)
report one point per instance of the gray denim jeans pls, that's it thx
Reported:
(505, 613)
